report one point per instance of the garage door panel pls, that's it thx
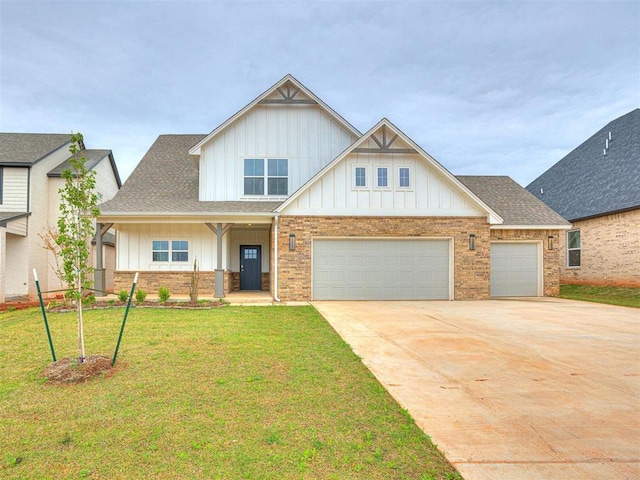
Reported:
(381, 269)
(514, 269)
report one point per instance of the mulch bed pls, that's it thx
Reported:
(70, 371)
(58, 306)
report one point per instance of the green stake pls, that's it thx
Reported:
(44, 314)
(124, 320)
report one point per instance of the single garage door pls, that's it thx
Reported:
(366, 269)
(514, 270)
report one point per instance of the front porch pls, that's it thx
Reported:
(231, 257)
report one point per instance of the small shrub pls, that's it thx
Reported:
(141, 295)
(195, 281)
(163, 294)
(89, 300)
(111, 302)
(123, 295)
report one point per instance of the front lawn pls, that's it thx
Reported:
(234, 392)
(626, 297)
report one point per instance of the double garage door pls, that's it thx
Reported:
(409, 269)
(376, 269)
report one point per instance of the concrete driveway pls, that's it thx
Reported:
(522, 389)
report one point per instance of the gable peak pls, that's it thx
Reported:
(288, 92)
(383, 139)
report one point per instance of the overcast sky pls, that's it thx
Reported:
(487, 88)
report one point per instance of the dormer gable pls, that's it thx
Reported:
(385, 173)
(272, 146)
(287, 91)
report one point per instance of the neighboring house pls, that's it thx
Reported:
(286, 196)
(597, 188)
(30, 169)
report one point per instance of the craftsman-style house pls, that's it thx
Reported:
(288, 197)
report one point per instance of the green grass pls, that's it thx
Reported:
(626, 297)
(234, 392)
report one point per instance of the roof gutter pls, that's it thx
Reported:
(604, 214)
(530, 227)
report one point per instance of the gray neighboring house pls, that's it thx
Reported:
(597, 188)
(30, 177)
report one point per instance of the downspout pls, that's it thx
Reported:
(275, 260)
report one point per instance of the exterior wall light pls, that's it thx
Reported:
(472, 242)
(292, 241)
(550, 242)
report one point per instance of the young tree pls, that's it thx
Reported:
(78, 212)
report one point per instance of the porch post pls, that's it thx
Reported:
(98, 274)
(3, 262)
(219, 276)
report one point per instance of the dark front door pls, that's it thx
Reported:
(250, 267)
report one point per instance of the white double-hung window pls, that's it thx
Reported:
(266, 176)
(382, 177)
(404, 177)
(170, 250)
(359, 177)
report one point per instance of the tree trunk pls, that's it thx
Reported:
(80, 326)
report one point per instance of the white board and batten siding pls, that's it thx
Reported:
(516, 269)
(135, 246)
(303, 134)
(382, 269)
(429, 192)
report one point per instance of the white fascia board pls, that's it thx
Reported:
(172, 217)
(530, 227)
(196, 149)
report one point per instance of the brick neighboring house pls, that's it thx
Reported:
(30, 177)
(286, 196)
(597, 188)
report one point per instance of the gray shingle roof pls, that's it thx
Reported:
(8, 216)
(92, 157)
(28, 148)
(586, 183)
(512, 202)
(166, 181)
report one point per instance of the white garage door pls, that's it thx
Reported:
(364, 269)
(514, 270)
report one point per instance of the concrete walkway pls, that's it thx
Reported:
(509, 389)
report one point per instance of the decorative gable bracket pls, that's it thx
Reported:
(384, 146)
(288, 93)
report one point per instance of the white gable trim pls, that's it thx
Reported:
(492, 216)
(196, 149)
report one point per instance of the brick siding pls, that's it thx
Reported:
(234, 286)
(609, 251)
(550, 268)
(178, 283)
(471, 268)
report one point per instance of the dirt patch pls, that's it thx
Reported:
(21, 305)
(71, 371)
